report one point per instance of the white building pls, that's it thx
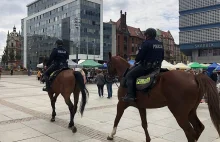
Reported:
(200, 29)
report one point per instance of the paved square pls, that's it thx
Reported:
(25, 114)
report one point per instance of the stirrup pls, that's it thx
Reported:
(45, 88)
(128, 98)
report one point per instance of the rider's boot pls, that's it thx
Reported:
(130, 97)
(47, 87)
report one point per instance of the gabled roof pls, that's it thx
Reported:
(164, 34)
(135, 32)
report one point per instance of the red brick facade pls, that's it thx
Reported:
(128, 38)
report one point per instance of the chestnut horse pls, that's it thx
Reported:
(178, 90)
(66, 83)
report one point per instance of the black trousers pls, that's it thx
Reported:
(133, 74)
(51, 69)
(100, 90)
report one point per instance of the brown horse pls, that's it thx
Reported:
(178, 90)
(66, 83)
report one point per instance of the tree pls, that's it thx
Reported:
(18, 56)
(5, 56)
(12, 55)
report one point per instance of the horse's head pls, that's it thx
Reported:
(117, 65)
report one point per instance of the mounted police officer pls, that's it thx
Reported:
(58, 59)
(148, 59)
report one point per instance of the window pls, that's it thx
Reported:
(203, 53)
(12, 45)
(216, 52)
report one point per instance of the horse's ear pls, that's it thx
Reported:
(109, 55)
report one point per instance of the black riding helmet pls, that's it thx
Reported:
(151, 32)
(59, 42)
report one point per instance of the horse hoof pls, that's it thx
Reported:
(74, 130)
(70, 125)
(109, 138)
(52, 119)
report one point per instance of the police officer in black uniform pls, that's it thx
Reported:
(148, 59)
(58, 59)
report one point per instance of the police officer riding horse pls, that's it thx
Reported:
(58, 60)
(148, 59)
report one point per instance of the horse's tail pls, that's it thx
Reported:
(208, 87)
(84, 91)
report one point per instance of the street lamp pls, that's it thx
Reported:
(77, 25)
(94, 46)
(29, 53)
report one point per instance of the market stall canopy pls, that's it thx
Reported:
(72, 64)
(206, 65)
(80, 61)
(217, 69)
(104, 66)
(40, 66)
(196, 65)
(182, 66)
(167, 65)
(131, 62)
(90, 63)
(212, 67)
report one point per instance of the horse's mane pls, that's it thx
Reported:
(119, 57)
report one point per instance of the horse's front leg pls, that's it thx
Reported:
(142, 112)
(54, 99)
(120, 110)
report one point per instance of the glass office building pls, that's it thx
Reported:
(78, 22)
(109, 40)
(200, 29)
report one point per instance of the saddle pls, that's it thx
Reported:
(54, 74)
(144, 83)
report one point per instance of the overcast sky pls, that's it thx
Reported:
(140, 13)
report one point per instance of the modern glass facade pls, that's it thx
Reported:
(107, 40)
(200, 29)
(50, 20)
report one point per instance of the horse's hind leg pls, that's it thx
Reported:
(144, 123)
(53, 100)
(182, 119)
(76, 100)
(70, 105)
(197, 124)
(120, 110)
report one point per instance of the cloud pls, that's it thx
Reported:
(146, 13)
(140, 13)
(12, 11)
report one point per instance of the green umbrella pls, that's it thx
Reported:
(90, 63)
(196, 65)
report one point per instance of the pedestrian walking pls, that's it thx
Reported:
(100, 81)
(109, 82)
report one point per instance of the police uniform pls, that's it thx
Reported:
(149, 58)
(58, 59)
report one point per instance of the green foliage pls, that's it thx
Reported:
(18, 56)
(12, 55)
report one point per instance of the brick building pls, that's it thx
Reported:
(128, 38)
(168, 43)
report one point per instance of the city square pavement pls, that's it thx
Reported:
(25, 114)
